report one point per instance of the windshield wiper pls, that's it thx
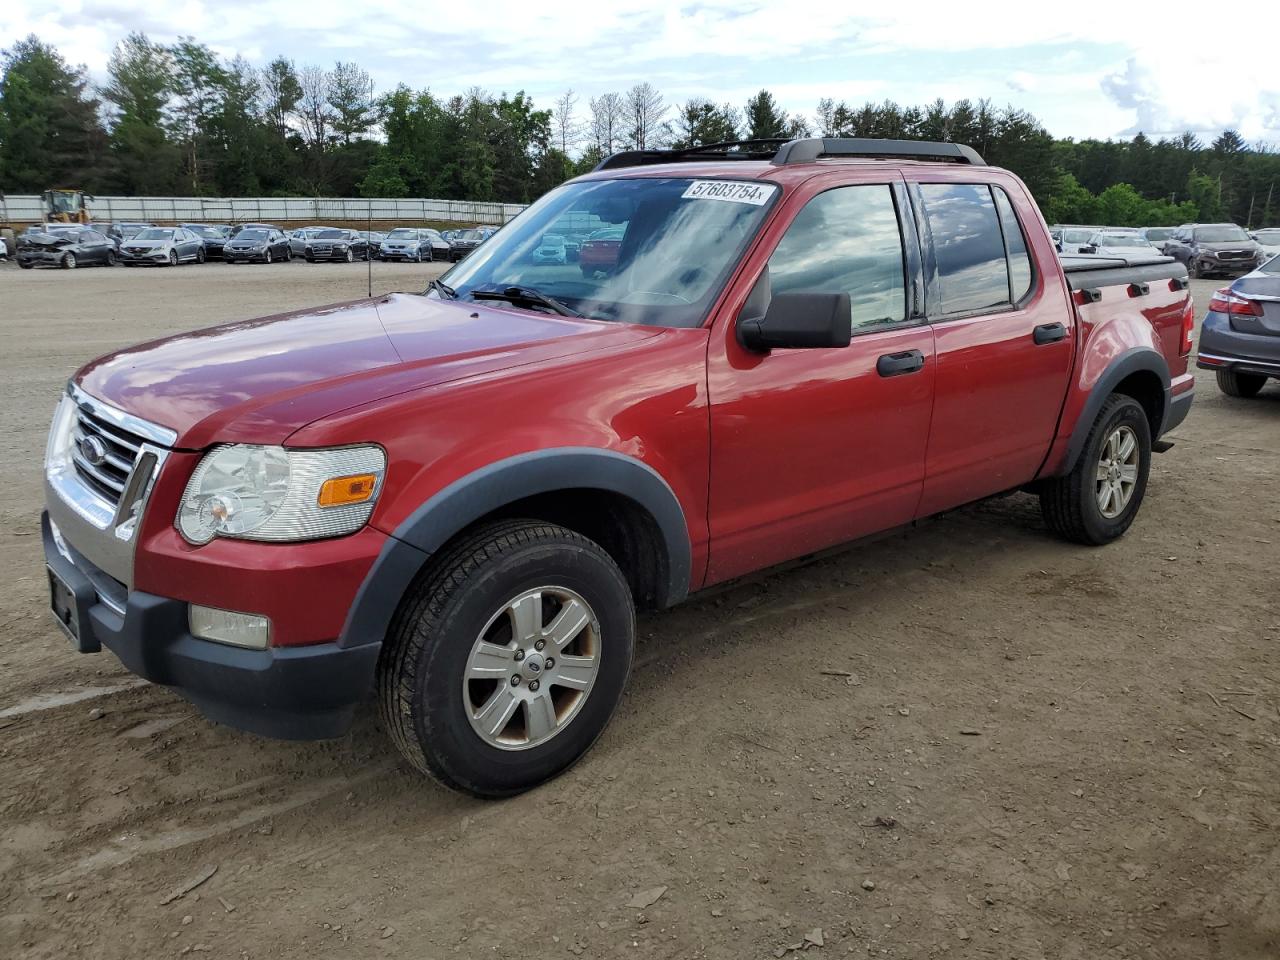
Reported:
(442, 288)
(526, 295)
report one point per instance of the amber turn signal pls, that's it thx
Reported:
(344, 491)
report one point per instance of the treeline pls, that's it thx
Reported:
(177, 119)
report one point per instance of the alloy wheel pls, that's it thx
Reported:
(531, 668)
(1117, 473)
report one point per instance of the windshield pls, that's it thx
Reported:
(402, 233)
(1269, 237)
(1225, 234)
(475, 235)
(679, 240)
(1076, 236)
(207, 232)
(331, 235)
(1159, 233)
(252, 235)
(154, 235)
(1121, 240)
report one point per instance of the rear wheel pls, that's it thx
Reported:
(507, 658)
(1097, 501)
(1236, 384)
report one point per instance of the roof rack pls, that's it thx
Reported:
(782, 151)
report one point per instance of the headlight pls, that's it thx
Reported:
(270, 493)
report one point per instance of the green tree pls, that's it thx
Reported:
(140, 82)
(351, 97)
(700, 121)
(49, 130)
(762, 118)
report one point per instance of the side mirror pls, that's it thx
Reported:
(799, 321)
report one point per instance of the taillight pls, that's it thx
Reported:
(1224, 301)
(1188, 326)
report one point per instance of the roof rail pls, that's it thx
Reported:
(782, 151)
(725, 150)
(806, 151)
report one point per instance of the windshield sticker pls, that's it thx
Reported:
(735, 191)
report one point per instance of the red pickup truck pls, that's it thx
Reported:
(460, 498)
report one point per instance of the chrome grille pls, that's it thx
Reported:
(107, 474)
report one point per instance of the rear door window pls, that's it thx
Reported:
(846, 240)
(973, 271)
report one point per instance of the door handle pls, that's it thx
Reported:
(1049, 333)
(896, 364)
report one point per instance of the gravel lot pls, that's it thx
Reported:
(969, 740)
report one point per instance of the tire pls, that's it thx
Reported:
(173, 258)
(349, 256)
(1193, 269)
(1071, 504)
(463, 598)
(25, 265)
(68, 261)
(288, 254)
(200, 255)
(266, 256)
(310, 258)
(1236, 384)
(111, 258)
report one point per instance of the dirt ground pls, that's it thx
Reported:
(970, 740)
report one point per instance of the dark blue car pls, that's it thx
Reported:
(1240, 338)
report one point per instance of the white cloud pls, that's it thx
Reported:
(1124, 68)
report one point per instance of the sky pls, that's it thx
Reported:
(1085, 70)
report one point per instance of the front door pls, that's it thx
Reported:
(815, 447)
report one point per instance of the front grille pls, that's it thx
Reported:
(1235, 254)
(120, 450)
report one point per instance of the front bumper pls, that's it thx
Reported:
(1238, 268)
(340, 255)
(244, 256)
(158, 256)
(294, 693)
(51, 257)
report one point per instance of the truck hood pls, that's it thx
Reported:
(258, 381)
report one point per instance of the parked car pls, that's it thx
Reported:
(373, 238)
(459, 499)
(1240, 335)
(337, 245)
(1209, 248)
(1119, 243)
(1156, 236)
(212, 237)
(67, 246)
(1073, 238)
(122, 230)
(298, 239)
(550, 249)
(1269, 240)
(466, 241)
(599, 252)
(162, 246)
(416, 244)
(257, 244)
(235, 231)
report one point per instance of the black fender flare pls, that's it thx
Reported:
(492, 487)
(1135, 360)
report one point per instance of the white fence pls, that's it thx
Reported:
(25, 209)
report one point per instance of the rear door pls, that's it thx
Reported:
(815, 447)
(1004, 337)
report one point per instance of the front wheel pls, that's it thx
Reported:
(1236, 384)
(201, 255)
(1097, 501)
(111, 258)
(68, 261)
(173, 258)
(507, 659)
(266, 258)
(1194, 270)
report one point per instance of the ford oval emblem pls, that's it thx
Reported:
(93, 450)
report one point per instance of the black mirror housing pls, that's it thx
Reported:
(796, 321)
